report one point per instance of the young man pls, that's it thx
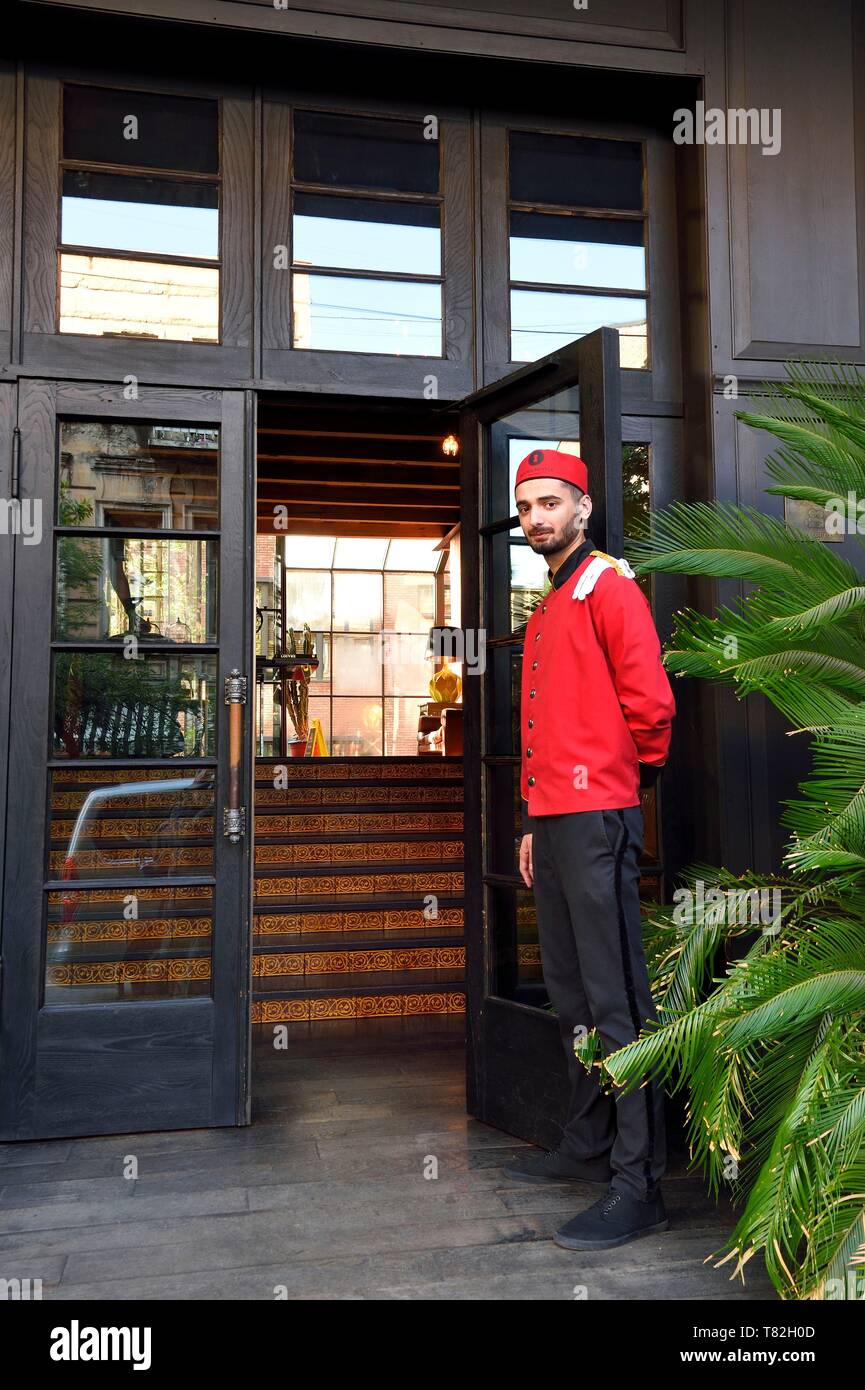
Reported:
(596, 717)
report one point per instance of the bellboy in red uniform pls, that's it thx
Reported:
(596, 715)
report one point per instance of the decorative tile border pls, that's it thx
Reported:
(309, 963)
(374, 919)
(363, 1006)
(126, 972)
(366, 794)
(292, 886)
(137, 929)
(358, 851)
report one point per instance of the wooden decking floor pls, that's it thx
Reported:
(326, 1195)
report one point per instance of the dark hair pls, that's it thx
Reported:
(576, 492)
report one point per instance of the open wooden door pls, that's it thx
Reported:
(517, 1077)
(125, 986)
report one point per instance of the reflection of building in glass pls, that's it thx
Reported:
(142, 477)
(140, 299)
(301, 311)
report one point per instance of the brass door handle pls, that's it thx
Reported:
(234, 814)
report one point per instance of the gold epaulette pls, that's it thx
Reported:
(613, 561)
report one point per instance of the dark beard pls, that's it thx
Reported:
(553, 545)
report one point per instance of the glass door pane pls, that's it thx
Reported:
(127, 934)
(569, 401)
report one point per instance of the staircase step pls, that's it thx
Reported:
(334, 991)
(346, 853)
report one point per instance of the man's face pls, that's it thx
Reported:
(550, 517)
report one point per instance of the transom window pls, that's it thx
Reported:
(366, 235)
(577, 224)
(139, 215)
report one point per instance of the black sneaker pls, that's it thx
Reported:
(553, 1166)
(614, 1219)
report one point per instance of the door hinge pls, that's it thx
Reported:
(234, 823)
(15, 481)
(235, 688)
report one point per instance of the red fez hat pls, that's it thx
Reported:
(552, 463)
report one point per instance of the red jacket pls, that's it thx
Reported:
(596, 701)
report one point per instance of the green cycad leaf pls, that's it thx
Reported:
(727, 541)
(772, 1050)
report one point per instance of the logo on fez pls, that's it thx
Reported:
(536, 456)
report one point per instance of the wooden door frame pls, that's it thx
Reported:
(516, 1071)
(25, 1022)
(8, 442)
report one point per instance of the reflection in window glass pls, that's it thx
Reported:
(153, 130)
(542, 320)
(114, 586)
(563, 250)
(135, 213)
(126, 823)
(636, 497)
(576, 171)
(155, 706)
(529, 580)
(97, 954)
(124, 473)
(114, 296)
(336, 313)
(356, 234)
(352, 151)
(517, 962)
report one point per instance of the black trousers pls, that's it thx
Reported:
(586, 888)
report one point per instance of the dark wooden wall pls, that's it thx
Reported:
(764, 253)
(786, 263)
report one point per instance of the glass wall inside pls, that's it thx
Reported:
(366, 606)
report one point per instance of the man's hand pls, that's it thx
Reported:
(526, 861)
